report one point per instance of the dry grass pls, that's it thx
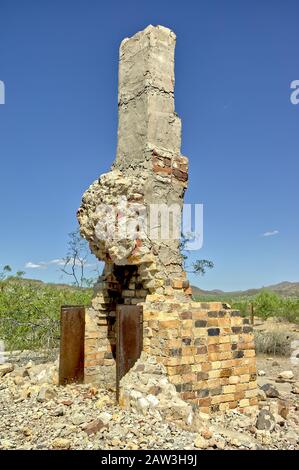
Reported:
(276, 342)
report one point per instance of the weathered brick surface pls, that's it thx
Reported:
(210, 364)
(216, 346)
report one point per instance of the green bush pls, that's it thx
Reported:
(242, 306)
(290, 310)
(266, 304)
(30, 311)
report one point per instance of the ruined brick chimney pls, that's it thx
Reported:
(207, 349)
(148, 169)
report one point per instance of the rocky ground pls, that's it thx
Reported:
(36, 414)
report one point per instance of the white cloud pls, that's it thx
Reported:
(91, 265)
(271, 233)
(58, 261)
(61, 262)
(31, 265)
(44, 265)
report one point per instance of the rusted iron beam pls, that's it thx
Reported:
(129, 339)
(72, 331)
(252, 313)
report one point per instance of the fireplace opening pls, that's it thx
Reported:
(125, 295)
(125, 286)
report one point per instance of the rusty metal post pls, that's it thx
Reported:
(252, 313)
(129, 339)
(72, 331)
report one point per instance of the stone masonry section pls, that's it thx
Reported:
(148, 169)
(206, 349)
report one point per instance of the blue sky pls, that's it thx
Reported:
(235, 61)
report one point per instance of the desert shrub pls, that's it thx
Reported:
(275, 341)
(289, 309)
(30, 311)
(242, 306)
(267, 304)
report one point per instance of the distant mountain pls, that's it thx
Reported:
(37, 282)
(285, 289)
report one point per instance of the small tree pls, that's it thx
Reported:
(20, 274)
(5, 276)
(5, 272)
(199, 266)
(267, 304)
(76, 260)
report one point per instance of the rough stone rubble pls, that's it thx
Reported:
(37, 414)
